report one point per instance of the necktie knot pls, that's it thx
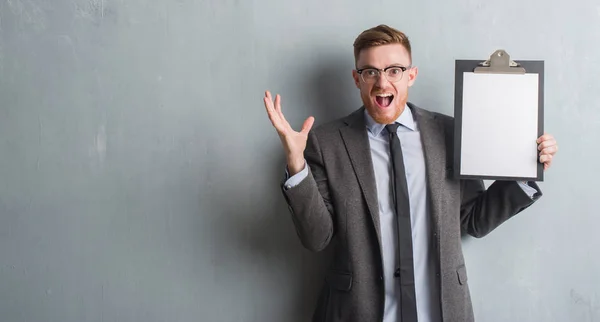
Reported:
(392, 128)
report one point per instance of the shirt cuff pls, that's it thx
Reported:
(295, 179)
(529, 190)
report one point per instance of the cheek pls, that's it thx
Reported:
(401, 89)
(365, 90)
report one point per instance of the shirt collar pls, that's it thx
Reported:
(405, 119)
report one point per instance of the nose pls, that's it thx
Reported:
(382, 81)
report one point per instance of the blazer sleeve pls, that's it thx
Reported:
(309, 201)
(483, 210)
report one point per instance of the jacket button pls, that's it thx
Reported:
(381, 277)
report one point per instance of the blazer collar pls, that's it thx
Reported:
(418, 114)
(405, 119)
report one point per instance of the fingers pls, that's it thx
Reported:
(307, 125)
(268, 102)
(278, 103)
(546, 158)
(547, 143)
(548, 147)
(269, 107)
(273, 107)
(278, 106)
(274, 116)
(550, 150)
(278, 119)
(544, 137)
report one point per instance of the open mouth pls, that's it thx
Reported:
(384, 100)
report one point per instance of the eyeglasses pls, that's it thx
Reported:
(392, 73)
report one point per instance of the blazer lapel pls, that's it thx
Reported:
(433, 140)
(356, 141)
(357, 145)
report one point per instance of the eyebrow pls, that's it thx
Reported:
(392, 65)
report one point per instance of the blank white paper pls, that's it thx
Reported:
(499, 125)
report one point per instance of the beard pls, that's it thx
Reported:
(388, 115)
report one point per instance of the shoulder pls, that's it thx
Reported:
(445, 120)
(332, 127)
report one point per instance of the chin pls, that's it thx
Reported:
(384, 117)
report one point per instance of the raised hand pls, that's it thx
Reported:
(293, 142)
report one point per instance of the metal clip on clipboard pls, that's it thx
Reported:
(499, 63)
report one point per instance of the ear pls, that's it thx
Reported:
(412, 75)
(356, 78)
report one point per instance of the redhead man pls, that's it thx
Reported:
(376, 185)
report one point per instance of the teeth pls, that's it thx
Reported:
(384, 95)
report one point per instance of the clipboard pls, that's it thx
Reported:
(499, 114)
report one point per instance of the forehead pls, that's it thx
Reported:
(383, 56)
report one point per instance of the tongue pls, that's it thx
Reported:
(384, 101)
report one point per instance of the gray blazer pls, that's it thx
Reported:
(336, 206)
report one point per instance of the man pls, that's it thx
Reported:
(377, 186)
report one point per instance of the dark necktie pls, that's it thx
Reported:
(405, 268)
